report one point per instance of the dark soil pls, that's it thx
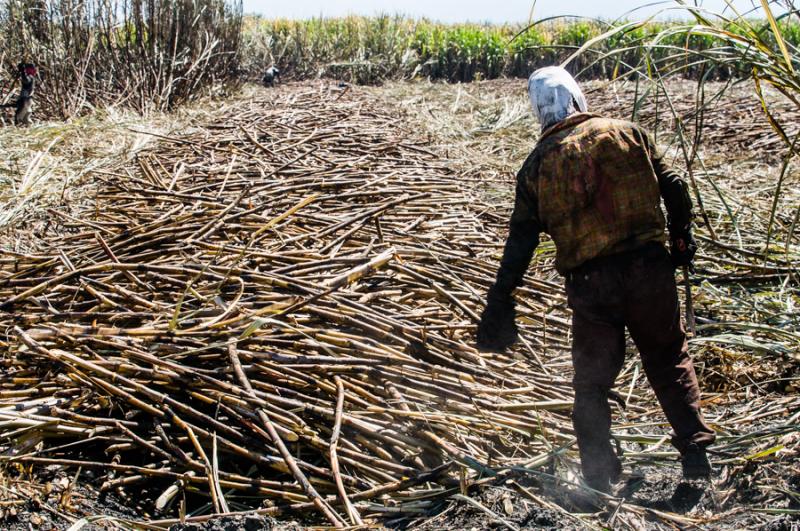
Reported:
(660, 488)
(664, 490)
(506, 504)
(55, 494)
(784, 523)
(238, 523)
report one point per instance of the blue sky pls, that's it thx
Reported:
(465, 10)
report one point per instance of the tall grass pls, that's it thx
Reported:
(367, 50)
(142, 54)
(764, 52)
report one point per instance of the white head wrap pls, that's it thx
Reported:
(554, 95)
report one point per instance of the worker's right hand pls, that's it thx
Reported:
(497, 329)
(682, 248)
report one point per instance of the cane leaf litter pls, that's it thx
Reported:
(274, 310)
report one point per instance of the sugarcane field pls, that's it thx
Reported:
(368, 271)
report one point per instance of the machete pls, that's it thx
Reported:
(689, 303)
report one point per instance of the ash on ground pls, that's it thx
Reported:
(238, 523)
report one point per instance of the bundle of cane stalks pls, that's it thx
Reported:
(277, 310)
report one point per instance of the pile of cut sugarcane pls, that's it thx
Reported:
(281, 304)
(276, 311)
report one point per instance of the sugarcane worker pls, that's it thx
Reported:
(595, 185)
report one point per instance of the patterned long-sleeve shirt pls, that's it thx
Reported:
(595, 186)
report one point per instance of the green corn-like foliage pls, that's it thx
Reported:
(720, 44)
(371, 49)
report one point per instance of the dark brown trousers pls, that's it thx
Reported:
(634, 290)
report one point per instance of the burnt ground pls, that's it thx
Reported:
(507, 504)
(239, 523)
(655, 491)
(55, 497)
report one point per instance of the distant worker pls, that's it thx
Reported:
(27, 73)
(595, 185)
(271, 76)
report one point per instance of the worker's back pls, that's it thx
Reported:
(597, 191)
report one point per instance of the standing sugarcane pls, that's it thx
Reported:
(595, 186)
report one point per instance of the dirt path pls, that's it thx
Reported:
(306, 261)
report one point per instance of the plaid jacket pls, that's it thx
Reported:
(595, 186)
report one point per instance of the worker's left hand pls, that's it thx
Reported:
(497, 329)
(683, 248)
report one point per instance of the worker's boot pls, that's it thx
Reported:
(601, 470)
(695, 462)
(591, 418)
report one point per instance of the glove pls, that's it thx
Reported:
(497, 329)
(683, 248)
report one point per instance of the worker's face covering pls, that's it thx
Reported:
(554, 95)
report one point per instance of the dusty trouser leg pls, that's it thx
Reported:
(598, 352)
(654, 322)
(591, 419)
(23, 112)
